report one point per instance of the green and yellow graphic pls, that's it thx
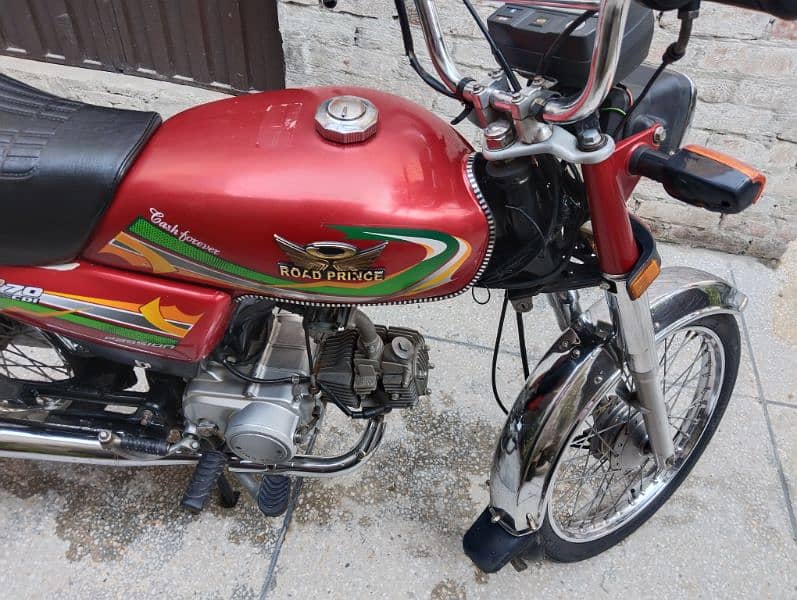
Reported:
(148, 323)
(146, 246)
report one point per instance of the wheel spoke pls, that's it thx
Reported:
(606, 473)
(27, 355)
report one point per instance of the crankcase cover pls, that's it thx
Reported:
(247, 194)
(262, 432)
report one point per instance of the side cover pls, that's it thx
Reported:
(130, 312)
(244, 194)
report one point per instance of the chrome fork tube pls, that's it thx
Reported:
(566, 306)
(634, 324)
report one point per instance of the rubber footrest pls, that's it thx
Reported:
(206, 474)
(274, 495)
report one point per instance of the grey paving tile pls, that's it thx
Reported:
(93, 532)
(784, 426)
(772, 323)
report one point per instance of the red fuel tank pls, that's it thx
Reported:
(245, 194)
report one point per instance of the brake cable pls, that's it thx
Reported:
(545, 59)
(497, 54)
(496, 349)
(675, 52)
(409, 51)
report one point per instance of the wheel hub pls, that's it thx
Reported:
(620, 434)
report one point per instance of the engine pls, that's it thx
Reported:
(397, 377)
(368, 368)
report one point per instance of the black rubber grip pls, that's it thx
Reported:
(784, 9)
(274, 494)
(144, 445)
(207, 472)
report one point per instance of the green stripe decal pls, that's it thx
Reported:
(85, 321)
(388, 287)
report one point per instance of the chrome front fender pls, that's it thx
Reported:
(578, 368)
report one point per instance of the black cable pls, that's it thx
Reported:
(409, 50)
(542, 66)
(476, 300)
(675, 52)
(307, 347)
(624, 121)
(497, 54)
(521, 338)
(496, 348)
(279, 380)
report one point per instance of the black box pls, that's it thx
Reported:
(524, 33)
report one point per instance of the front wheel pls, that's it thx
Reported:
(605, 482)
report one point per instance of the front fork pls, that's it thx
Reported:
(635, 335)
(634, 326)
(629, 268)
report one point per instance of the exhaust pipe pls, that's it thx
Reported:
(34, 442)
(319, 466)
(21, 440)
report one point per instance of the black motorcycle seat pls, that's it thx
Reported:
(61, 162)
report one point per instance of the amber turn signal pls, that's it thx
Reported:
(756, 177)
(702, 177)
(642, 279)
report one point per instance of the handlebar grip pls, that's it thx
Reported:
(783, 9)
(701, 177)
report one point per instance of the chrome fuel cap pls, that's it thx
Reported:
(346, 119)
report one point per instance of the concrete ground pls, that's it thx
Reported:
(394, 529)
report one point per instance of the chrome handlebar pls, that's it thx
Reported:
(605, 55)
(438, 52)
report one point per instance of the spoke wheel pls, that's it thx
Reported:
(29, 355)
(606, 483)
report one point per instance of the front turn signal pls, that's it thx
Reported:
(642, 278)
(702, 177)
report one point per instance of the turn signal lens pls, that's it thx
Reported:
(701, 177)
(642, 280)
(756, 177)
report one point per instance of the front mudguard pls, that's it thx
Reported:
(580, 367)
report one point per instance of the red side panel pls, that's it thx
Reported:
(124, 310)
(245, 195)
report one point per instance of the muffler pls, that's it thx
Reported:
(36, 442)
(32, 441)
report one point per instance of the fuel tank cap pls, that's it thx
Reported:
(346, 119)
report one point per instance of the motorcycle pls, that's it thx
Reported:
(191, 292)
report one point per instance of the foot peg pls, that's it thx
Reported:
(274, 495)
(208, 472)
(491, 547)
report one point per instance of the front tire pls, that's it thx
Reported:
(605, 483)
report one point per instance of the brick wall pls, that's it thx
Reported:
(744, 65)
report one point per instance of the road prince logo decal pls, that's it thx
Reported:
(330, 261)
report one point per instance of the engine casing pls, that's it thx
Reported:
(265, 422)
(246, 195)
(258, 421)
